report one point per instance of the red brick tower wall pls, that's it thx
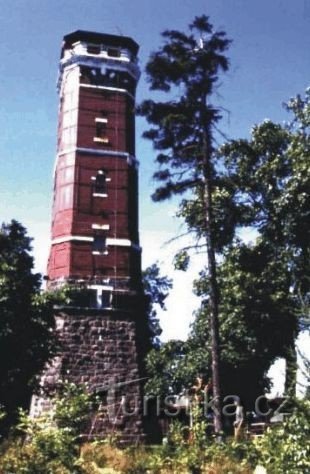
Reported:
(94, 232)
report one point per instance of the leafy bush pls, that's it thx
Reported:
(48, 444)
(73, 404)
(285, 448)
(45, 449)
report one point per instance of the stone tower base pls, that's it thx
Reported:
(99, 349)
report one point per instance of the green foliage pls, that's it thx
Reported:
(285, 448)
(191, 452)
(26, 315)
(166, 369)
(73, 404)
(156, 287)
(199, 429)
(53, 449)
(258, 321)
(271, 175)
(187, 67)
(181, 260)
(50, 442)
(25, 459)
(104, 457)
(258, 318)
(263, 287)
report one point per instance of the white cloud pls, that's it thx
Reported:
(277, 370)
(181, 301)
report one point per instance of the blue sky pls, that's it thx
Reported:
(270, 63)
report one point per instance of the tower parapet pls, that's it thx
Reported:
(118, 53)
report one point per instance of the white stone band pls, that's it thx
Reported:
(109, 241)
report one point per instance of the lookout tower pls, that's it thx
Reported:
(95, 241)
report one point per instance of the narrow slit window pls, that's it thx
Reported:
(100, 186)
(93, 49)
(114, 52)
(101, 130)
(106, 299)
(99, 244)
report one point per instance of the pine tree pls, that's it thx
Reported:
(187, 68)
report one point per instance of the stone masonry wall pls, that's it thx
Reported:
(99, 348)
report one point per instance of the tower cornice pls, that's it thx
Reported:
(102, 62)
(100, 38)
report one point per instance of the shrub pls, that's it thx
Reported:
(26, 458)
(285, 448)
(48, 444)
(73, 405)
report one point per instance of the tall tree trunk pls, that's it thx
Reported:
(213, 299)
